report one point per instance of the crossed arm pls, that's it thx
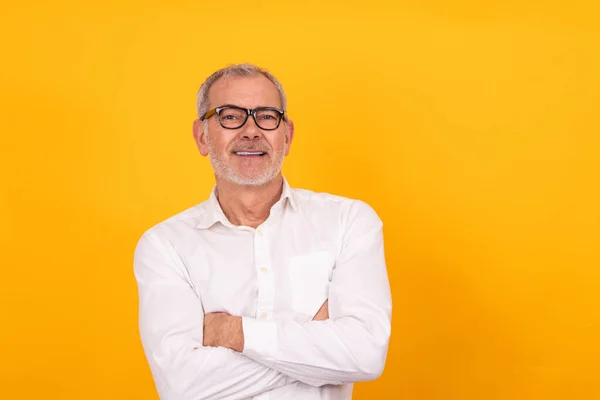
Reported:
(224, 330)
(216, 356)
(171, 325)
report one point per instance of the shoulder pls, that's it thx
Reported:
(176, 225)
(350, 212)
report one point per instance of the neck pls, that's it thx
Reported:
(248, 205)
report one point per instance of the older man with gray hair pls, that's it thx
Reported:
(262, 291)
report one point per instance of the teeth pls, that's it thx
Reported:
(249, 153)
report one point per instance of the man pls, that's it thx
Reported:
(262, 291)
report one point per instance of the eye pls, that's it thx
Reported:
(267, 115)
(232, 114)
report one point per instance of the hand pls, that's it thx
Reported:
(223, 330)
(323, 312)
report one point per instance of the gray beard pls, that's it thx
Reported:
(225, 171)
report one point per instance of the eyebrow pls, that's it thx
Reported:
(245, 108)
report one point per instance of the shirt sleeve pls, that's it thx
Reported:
(352, 344)
(171, 328)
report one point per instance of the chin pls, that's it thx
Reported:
(253, 179)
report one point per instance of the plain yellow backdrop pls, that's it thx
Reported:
(471, 127)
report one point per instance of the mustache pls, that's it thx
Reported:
(263, 147)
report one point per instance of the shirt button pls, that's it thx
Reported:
(259, 232)
(263, 270)
(263, 315)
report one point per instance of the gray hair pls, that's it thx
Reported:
(235, 70)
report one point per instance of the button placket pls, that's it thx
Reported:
(264, 272)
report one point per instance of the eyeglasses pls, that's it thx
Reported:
(234, 117)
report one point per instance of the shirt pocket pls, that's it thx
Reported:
(309, 276)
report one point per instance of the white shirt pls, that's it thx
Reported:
(312, 247)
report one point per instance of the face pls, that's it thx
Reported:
(233, 153)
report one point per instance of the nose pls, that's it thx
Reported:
(250, 129)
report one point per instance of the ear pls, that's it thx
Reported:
(200, 137)
(289, 135)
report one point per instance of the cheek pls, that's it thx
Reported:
(219, 142)
(279, 141)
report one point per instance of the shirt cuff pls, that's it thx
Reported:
(260, 339)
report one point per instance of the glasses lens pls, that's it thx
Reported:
(267, 119)
(232, 117)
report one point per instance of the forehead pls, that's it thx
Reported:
(249, 92)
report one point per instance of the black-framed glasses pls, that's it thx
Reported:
(234, 117)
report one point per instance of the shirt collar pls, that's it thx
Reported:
(213, 212)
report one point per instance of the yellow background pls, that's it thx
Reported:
(471, 127)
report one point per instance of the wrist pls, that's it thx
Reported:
(236, 334)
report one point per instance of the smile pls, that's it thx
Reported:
(249, 153)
